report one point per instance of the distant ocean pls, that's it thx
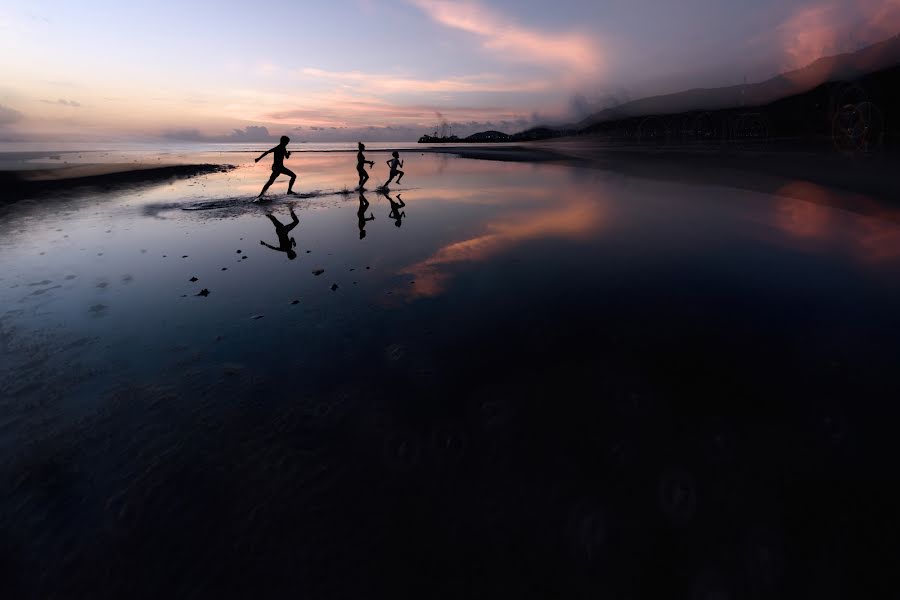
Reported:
(17, 156)
(195, 147)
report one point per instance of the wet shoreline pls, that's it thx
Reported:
(19, 185)
(742, 168)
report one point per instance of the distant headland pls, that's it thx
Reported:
(845, 100)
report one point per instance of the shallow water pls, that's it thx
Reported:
(547, 381)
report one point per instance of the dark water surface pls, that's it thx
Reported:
(547, 382)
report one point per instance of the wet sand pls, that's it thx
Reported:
(761, 169)
(873, 176)
(18, 185)
(550, 381)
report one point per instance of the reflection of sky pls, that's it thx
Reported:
(807, 211)
(104, 280)
(99, 69)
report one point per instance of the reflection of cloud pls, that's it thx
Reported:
(801, 218)
(878, 240)
(251, 133)
(511, 41)
(9, 115)
(810, 212)
(564, 218)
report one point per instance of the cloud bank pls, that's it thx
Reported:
(9, 116)
(251, 133)
(64, 102)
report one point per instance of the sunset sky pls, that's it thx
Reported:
(386, 70)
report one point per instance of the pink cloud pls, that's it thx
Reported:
(573, 51)
(386, 83)
(834, 26)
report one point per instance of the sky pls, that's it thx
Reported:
(386, 70)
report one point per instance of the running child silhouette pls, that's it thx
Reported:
(361, 165)
(395, 164)
(279, 153)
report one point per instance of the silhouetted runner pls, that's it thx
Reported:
(361, 165)
(285, 244)
(395, 209)
(394, 164)
(361, 214)
(279, 153)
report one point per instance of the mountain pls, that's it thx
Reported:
(488, 136)
(841, 67)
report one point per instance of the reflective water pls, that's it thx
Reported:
(539, 379)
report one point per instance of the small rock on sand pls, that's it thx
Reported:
(238, 251)
(224, 268)
(204, 292)
(334, 286)
(318, 272)
(295, 302)
(193, 279)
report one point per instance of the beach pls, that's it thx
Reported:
(539, 371)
